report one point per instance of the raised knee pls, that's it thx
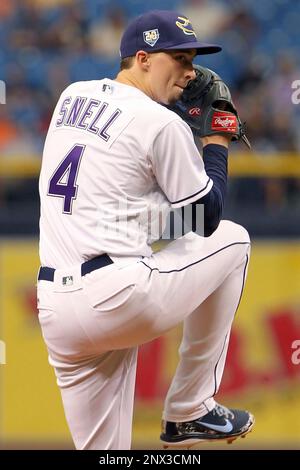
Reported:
(237, 232)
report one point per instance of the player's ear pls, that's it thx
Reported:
(143, 59)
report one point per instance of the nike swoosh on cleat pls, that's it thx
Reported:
(224, 428)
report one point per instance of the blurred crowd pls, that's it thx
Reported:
(47, 44)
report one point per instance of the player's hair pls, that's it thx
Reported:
(126, 63)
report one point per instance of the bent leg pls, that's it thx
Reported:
(203, 280)
(189, 270)
(203, 350)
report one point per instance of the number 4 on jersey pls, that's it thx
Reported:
(63, 181)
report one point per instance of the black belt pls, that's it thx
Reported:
(47, 274)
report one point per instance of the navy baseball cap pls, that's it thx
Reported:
(162, 30)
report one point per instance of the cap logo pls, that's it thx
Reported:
(185, 25)
(151, 37)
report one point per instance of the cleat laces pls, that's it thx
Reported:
(223, 411)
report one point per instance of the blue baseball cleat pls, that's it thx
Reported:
(219, 424)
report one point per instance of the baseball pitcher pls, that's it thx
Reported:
(120, 156)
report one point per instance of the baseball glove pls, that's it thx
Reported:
(207, 107)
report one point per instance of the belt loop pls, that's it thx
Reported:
(95, 263)
(46, 274)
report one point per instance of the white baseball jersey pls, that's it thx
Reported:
(114, 163)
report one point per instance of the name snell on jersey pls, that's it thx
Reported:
(90, 115)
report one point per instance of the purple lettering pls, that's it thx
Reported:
(63, 111)
(92, 127)
(75, 111)
(87, 113)
(113, 117)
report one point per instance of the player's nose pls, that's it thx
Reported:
(190, 74)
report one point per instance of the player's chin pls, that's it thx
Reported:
(175, 96)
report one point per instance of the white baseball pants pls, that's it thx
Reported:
(92, 329)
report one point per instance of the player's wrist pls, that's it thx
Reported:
(216, 139)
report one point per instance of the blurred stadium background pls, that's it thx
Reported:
(45, 45)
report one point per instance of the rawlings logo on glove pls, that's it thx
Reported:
(207, 107)
(195, 112)
(224, 122)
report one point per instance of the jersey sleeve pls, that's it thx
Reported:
(178, 166)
